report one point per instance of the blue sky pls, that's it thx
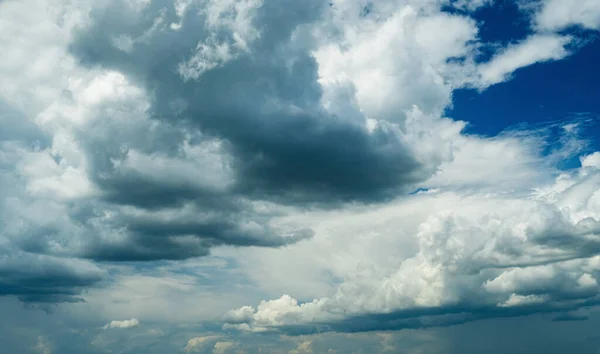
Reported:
(260, 176)
(544, 93)
(537, 95)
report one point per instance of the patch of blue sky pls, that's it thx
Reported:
(539, 94)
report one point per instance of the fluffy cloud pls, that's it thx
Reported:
(134, 322)
(560, 14)
(265, 106)
(161, 130)
(223, 347)
(592, 160)
(197, 343)
(84, 183)
(245, 119)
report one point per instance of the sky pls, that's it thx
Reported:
(282, 176)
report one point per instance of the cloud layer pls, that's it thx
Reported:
(289, 137)
(478, 256)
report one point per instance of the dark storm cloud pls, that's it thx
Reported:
(152, 239)
(32, 278)
(43, 279)
(265, 104)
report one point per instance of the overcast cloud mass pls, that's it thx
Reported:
(284, 176)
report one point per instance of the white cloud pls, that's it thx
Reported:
(559, 14)
(471, 5)
(214, 52)
(37, 82)
(522, 300)
(592, 160)
(395, 59)
(534, 49)
(197, 343)
(134, 322)
(304, 347)
(241, 315)
(495, 217)
(223, 347)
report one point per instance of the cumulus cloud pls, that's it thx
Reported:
(592, 160)
(134, 322)
(84, 181)
(160, 130)
(481, 255)
(282, 143)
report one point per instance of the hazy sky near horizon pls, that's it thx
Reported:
(283, 176)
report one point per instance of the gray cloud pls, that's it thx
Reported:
(44, 279)
(212, 127)
(264, 104)
(567, 317)
(188, 236)
(17, 128)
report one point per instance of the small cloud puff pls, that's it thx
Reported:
(134, 322)
(197, 343)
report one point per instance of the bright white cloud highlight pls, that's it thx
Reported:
(196, 344)
(134, 322)
(559, 14)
